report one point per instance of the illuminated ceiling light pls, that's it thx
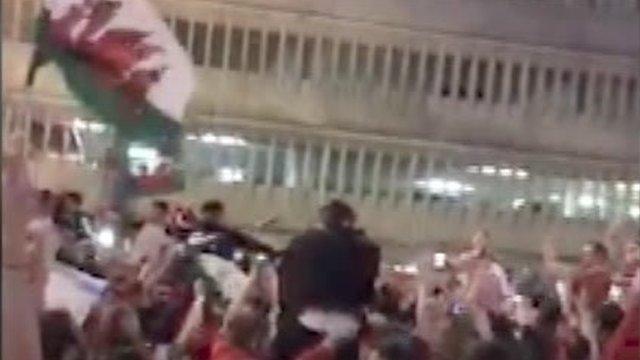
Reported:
(634, 212)
(621, 187)
(209, 138)
(226, 140)
(635, 187)
(555, 198)
(230, 175)
(410, 269)
(586, 201)
(97, 127)
(436, 185)
(505, 172)
(522, 174)
(518, 203)
(192, 137)
(453, 186)
(138, 152)
(80, 124)
(473, 169)
(488, 170)
(468, 188)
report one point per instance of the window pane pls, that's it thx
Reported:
(344, 58)
(412, 70)
(182, 32)
(235, 51)
(217, 46)
(396, 67)
(199, 38)
(581, 92)
(497, 82)
(378, 63)
(362, 60)
(447, 76)
(465, 73)
(253, 55)
(326, 56)
(430, 72)
(481, 82)
(514, 92)
(273, 44)
(308, 57)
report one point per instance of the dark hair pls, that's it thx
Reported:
(599, 249)
(161, 205)
(610, 315)
(75, 196)
(336, 213)
(212, 206)
(488, 351)
(401, 345)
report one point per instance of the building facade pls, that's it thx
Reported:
(432, 117)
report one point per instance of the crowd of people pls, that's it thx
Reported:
(328, 295)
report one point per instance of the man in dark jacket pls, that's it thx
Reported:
(332, 269)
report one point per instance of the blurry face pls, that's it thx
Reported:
(214, 216)
(632, 252)
(123, 278)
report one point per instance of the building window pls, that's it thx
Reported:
(182, 32)
(362, 60)
(465, 73)
(549, 76)
(532, 81)
(396, 67)
(412, 70)
(37, 134)
(614, 100)
(516, 74)
(598, 93)
(235, 49)
(273, 44)
(290, 51)
(446, 76)
(308, 52)
(581, 92)
(327, 56)
(344, 58)
(430, 72)
(217, 46)
(199, 39)
(632, 96)
(565, 86)
(497, 82)
(378, 63)
(253, 51)
(481, 82)
(56, 139)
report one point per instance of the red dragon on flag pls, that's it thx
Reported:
(120, 59)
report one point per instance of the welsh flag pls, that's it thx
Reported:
(120, 60)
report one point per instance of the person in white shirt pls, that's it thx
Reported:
(152, 244)
(44, 241)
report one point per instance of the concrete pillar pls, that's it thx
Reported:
(335, 53)
(622, 95)
(207, 44)
(342, 163)
(506, 82)
(606, 97)
(227, 46)
(420, 77)
(280, 60)
(324, 171)
(455, 76)
(263, 51)
(375, 176)
(291, 177)
(353, 59)
(411, 175)
(271, 154)
(387, 69)
(306, 165)
(524, 81)
(393, 178)
(404, 69)
(297, 71)
(473, 79)
(317, 59)
(488, 86)
(358, 180)
(439, 76)
(245, 49)
(190, 35)
(370, 56)
(590, 94)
